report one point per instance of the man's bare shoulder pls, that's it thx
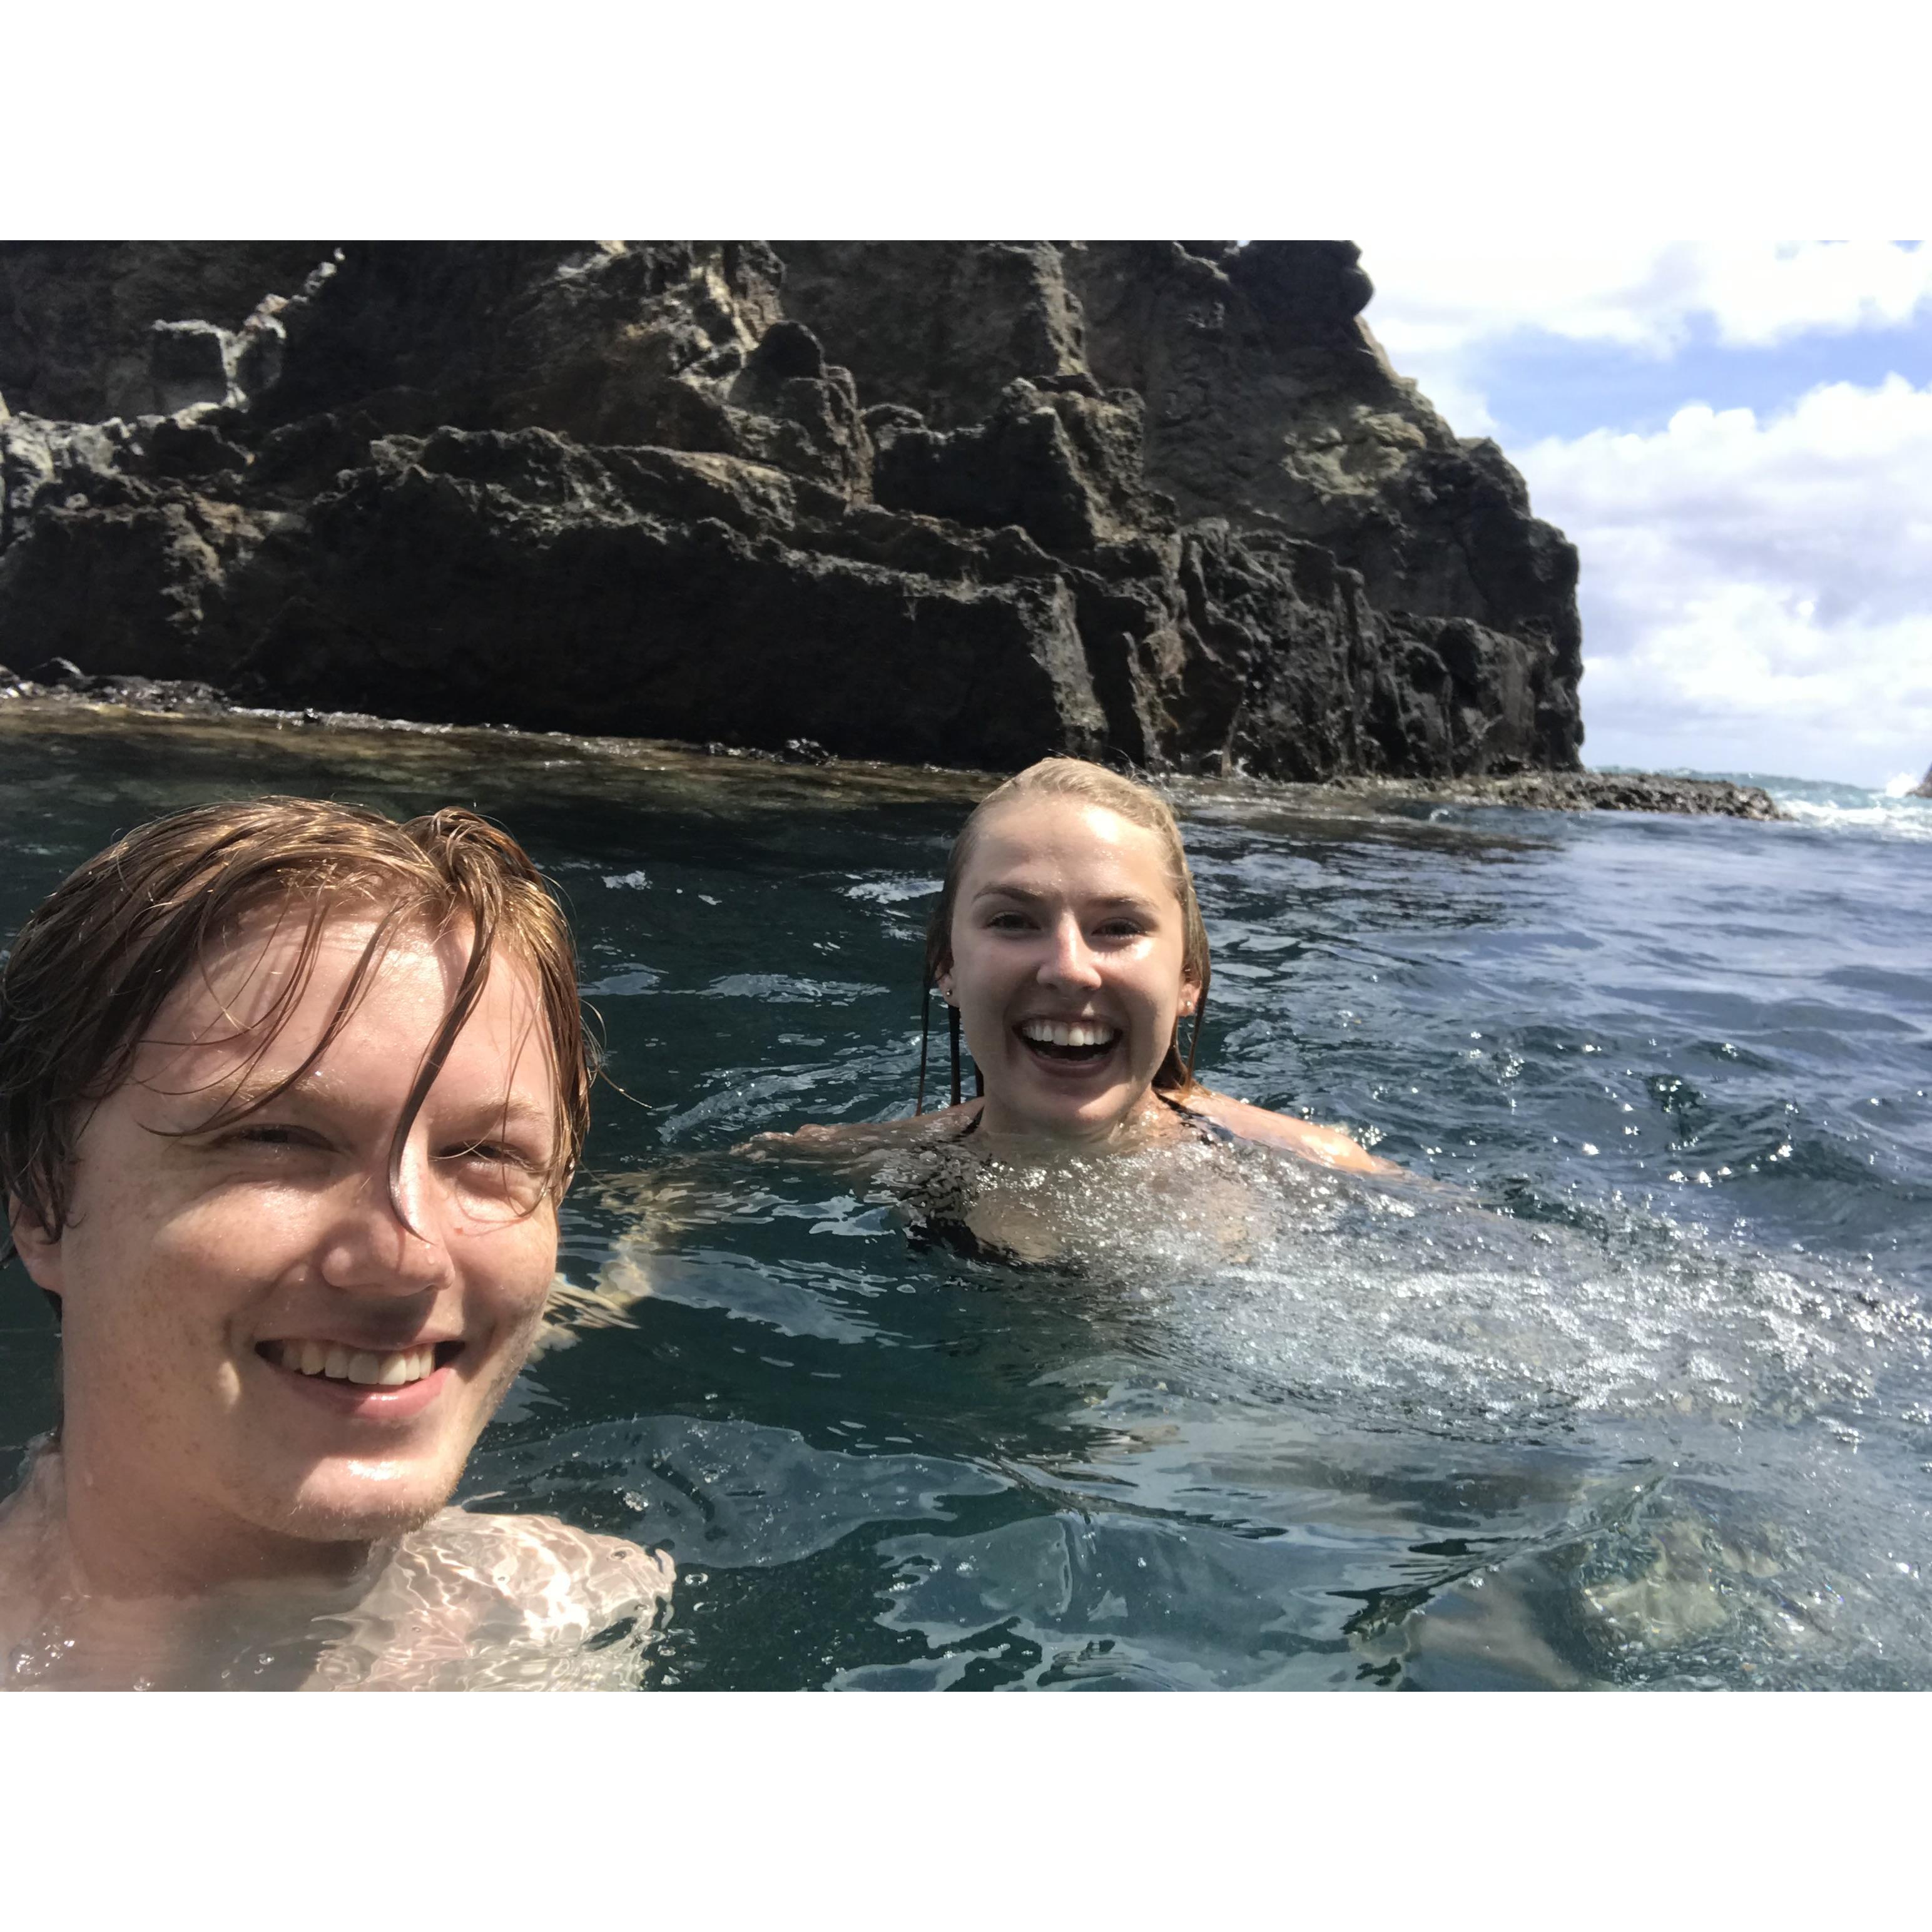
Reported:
(471, 1601)
(1329, 1147)
(543, 1564)
(28, 1542)
(850, 1137)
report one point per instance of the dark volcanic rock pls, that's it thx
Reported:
(1923, 789)
(963, 502)
(1269, 403)
(77, 319)
(1582, 791)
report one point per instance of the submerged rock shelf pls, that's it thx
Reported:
(960, 503)
(81, 704)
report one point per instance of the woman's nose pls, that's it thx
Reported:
(1071, 962)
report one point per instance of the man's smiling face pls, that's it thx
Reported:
(257, 1345)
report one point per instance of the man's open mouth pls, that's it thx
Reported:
(392, 1368)
(1068, 1040)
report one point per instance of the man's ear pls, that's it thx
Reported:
(39, 1253)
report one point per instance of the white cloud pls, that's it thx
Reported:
(1433, 303)
(1757, 593)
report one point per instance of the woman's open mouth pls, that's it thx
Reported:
(1069, 1042)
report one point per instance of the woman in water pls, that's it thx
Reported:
(1068, 945)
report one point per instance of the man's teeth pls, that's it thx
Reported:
(1063, 1033)
(358, 1365)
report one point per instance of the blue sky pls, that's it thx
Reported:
(1537, 384)
(1738, 438)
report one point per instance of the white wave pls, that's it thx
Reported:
(1889, 815)
(1886, 812)
(892, 889)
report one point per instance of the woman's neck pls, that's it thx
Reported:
(1146, 1121)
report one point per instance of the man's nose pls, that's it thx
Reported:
(388, 1238)
(1071, 962)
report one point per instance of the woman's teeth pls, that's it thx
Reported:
(357, 1365)
(1062, 1033)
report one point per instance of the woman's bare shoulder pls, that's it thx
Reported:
(1330, 1146)
(846, 1137)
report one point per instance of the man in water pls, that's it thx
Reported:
(289, 1094)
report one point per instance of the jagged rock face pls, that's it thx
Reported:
(1268, 402)
(77, 317)
(963, 503)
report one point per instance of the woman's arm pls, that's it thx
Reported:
(1328, 1146)
(845, 1137)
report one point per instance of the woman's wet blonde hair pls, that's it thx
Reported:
(1139, 804)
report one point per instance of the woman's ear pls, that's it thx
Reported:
(1190, 997)
(944, 983)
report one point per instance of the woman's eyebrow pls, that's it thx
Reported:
(1129, 902)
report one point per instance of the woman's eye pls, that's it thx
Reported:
(1009, 922)
(262, 1133)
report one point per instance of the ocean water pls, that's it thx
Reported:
(1629, 1383)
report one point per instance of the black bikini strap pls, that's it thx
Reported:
(1211, 1129)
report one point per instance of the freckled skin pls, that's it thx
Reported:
(188, 1462)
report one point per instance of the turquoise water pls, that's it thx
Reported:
(1636, 1395)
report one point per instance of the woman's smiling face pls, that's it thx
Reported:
(1067, 945)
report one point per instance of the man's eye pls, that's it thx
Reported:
(490, 1153)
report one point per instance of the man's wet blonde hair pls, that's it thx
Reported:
(1139, 805)
(99, 957)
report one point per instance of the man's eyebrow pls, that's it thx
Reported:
(515, 1109)
(256, 1089)
(325, 1090)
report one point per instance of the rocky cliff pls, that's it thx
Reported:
(957, 502)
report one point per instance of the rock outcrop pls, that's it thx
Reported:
(1573, 791)
(962, 503)
(1923, 789)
